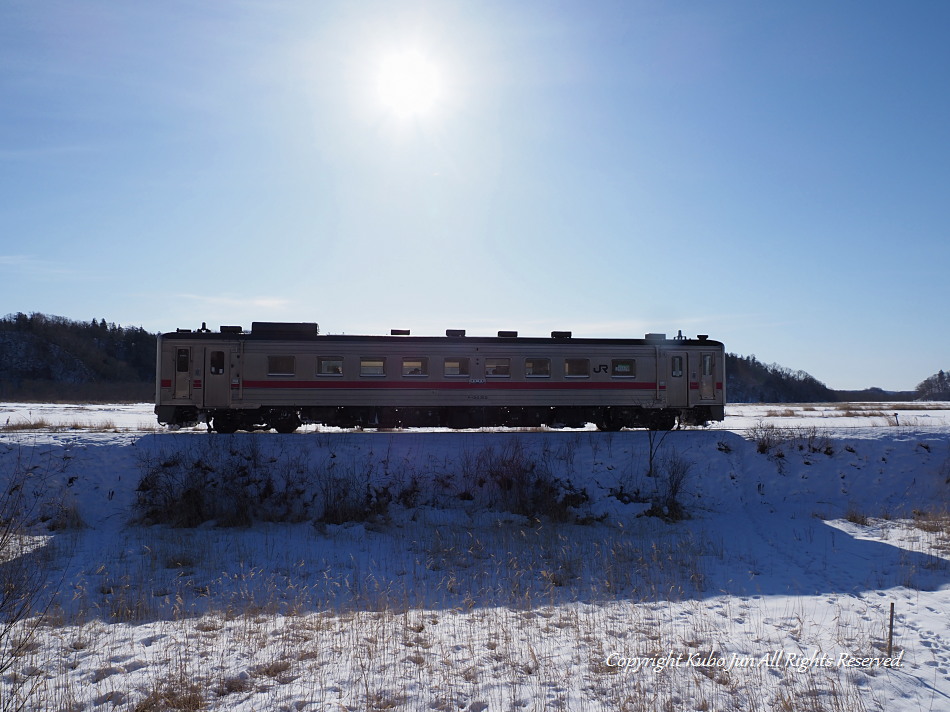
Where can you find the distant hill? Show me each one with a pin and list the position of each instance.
(877, 395)
(748, 380)
(52, 358)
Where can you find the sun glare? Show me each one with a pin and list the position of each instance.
(409, 84)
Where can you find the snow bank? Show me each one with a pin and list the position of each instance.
(455, 590)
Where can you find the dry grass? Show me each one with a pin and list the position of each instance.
(937, 525)
(507, 612)
(44, 425)
(856, 517)
(12, 426)
(854, 411)
(175, 694)
(481, 659)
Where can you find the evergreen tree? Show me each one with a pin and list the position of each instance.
(935, 387)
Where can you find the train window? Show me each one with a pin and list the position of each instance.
(497, 366)
(329, 365)
(623, 367)
(707, 364)
(676, 366)
(372, 366)
(537, 367)
(577, 367)
(216, 363)
(415, 366)
(456, 366)
(181, 361)
(283, 365)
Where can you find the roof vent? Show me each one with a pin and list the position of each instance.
(655, 337)
(455, 332)
(231, 329)
(702, 337)
(560, 334)
(507, 334)
(399, 332)
(282, 327)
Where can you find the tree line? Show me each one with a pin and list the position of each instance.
(45, 357)
(49, 358)
(936, 387)
(748, 380)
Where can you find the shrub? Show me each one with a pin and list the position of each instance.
(767, 436)
(672, 475)
(230, 487)
(343, 502)
(856, 517)
(525, 486)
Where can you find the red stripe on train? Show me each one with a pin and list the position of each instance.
(451, 385)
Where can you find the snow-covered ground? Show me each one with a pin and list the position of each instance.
(406, 570)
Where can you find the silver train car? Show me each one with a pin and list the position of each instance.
(282, 375)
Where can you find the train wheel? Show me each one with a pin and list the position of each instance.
(610, 421)
(283, 420)
(663, 421)
(224, 425)
(286, 424)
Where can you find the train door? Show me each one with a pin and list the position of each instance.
(707, 378)
(182, 372)
(217, 383)
(677, 385)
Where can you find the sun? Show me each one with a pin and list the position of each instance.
(409, 84)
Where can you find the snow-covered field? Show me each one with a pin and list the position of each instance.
(520, 570)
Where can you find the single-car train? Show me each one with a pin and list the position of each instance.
(282, 375)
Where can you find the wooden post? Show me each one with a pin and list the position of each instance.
(890, 632)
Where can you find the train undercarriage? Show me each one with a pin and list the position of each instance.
(287, 419)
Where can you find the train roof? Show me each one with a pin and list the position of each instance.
(309, 331)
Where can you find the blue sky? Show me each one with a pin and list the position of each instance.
(773, 174)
